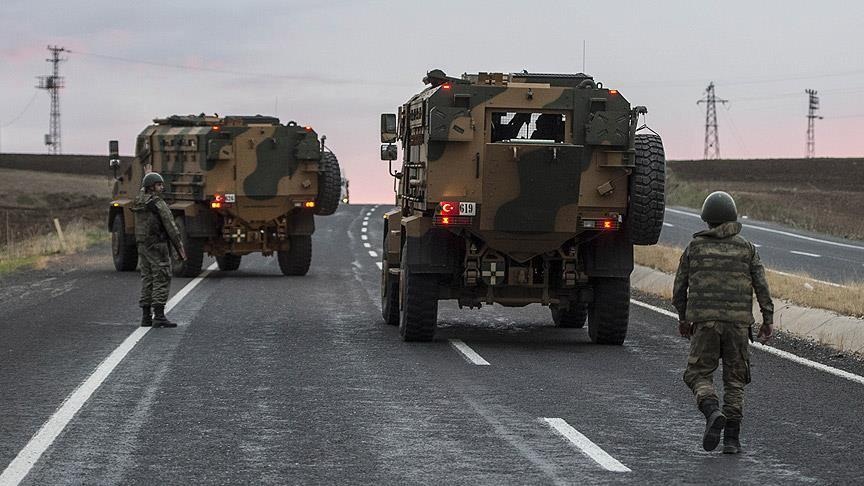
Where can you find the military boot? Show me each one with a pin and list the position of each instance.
(159, 319)
(731, 444)
(714, 423)
(146, 316)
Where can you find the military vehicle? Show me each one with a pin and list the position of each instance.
(236, 185)
(517, 189)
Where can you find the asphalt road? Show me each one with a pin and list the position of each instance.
(282, 380)
(822, 257)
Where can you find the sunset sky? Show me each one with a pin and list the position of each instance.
(338, 65)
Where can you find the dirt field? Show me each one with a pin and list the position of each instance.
(823, 195)
(29, 201)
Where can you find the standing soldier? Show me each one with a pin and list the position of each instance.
(154, 228)
(713, 293)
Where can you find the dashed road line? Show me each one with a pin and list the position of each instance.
(668, 225)
(364, 229)
(771, 350)
(367, 245)
(373, 254)
(364, 237)
(468, 353)
(590, 449)
(18, 469)
(804, 253)
(380, 265)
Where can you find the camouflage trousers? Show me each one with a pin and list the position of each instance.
(155, 265)
(712, 341)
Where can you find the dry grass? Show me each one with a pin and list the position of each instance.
(799, 289)
(36, 249)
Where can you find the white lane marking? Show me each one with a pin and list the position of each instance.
(823, 282)
(364, 229)
(804, 253)
(373, 254)
(380, 265)
(668, 225)
(364, 237)
(366, 223)
(18, 469)
(585, 445)
(366, 218)
(768, 349)
(468, 353)
(784, 233)
(367, 245)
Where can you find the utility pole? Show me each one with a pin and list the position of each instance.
(712, 139)
(53, 83)
(811, 122)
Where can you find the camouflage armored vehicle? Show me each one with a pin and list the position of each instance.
(236, 185)
(517, 189)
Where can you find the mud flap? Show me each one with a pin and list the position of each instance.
(437, 251)
(608, 255)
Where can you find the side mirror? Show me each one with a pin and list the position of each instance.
(113, 154)
(389, 152)
(388, 128)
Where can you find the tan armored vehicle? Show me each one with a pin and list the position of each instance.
(236, 185)
(518, 189)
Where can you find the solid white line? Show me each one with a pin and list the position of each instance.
(18, 469)
(367, 245)
(585, 445)
(468, 353)
(823, 282)
(373, 254)
(804, 253)
(364, 237)
(668, 225)
(768, 349)
(380, 265)
(784, 233)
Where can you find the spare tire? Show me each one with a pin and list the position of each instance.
(647, 191)
(329, 185)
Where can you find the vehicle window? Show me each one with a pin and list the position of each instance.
(521, 127)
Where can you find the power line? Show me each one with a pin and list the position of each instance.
(19, 115)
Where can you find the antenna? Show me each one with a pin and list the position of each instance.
(53, 83)
(712, 137)
(811, 122)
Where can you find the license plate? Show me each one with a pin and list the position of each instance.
(467, 209)
(230, 198)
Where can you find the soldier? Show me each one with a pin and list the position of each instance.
(154, 228)
(713, 293)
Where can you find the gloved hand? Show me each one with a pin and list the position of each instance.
(182, 254)
(685, 329)
(765, 333)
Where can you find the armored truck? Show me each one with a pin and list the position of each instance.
(518, 189)
(236, 185)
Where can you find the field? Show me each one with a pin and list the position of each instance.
(821, 195)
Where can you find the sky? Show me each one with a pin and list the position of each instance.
(338, 65)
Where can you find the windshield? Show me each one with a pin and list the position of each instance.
(526, 127)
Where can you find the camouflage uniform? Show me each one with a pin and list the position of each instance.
(713, 289)
(154, 226)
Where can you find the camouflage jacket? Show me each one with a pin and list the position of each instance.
(717, 275)
(153, 220)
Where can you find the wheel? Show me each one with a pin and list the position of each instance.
(228, 262)
(647, 191)
(573, 317)
(418, 302)
(194, 247)
(329, 185)
(295, 261)
(389, 289)
(610, 311)
(123, 252)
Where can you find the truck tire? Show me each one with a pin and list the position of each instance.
(123, 252)
(573, 317)
(329, 185)
(418, 303)
(389, 289)
(194, 247)
(647, 191)
(228, 262)
(295, 261)
(609, 313)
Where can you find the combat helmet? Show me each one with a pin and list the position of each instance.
(719, 208)
(151, 179)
